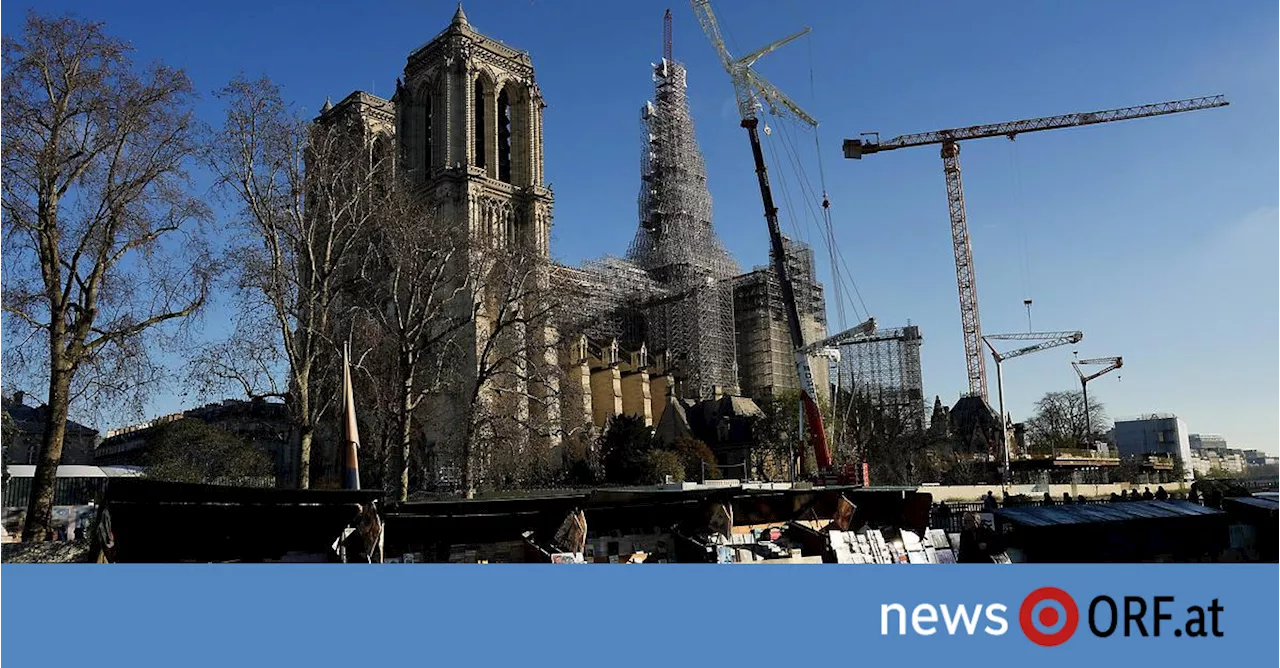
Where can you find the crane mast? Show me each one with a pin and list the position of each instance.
(950, 139)
(1112, 363)
(753, 92)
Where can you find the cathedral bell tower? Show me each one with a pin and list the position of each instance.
(469, 127)
(469, 122)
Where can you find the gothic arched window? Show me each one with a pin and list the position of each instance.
(477, 130)
(504, 137)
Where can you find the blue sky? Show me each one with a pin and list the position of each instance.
(1156, 237)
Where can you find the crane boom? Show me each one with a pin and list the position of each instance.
(748, 87)
(966, 281)
(1031, 336)
(1052, 340)
(856, 148)
(860, 331)
(1112, 363)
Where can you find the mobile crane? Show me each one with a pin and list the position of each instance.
(752, 92)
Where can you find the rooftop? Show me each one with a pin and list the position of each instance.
(1147, 416)
(1128, 511)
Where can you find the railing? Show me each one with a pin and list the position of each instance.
(950, 520)
(1261, 484)
(66, 491)
(1081, 453)
(726, 471)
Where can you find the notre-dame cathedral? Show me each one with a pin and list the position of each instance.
(467, 117)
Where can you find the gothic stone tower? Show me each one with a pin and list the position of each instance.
(469, 118)
(469, 126)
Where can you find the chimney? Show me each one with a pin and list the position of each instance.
(18, 396)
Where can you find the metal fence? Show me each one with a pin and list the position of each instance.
(66, 491)
(1261, 485)
(948, 516)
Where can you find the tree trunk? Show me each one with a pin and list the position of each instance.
(304, 457)
(468, 474)
(306, 430)
(40, 505)
(406, 426)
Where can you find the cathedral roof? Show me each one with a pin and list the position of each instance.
(460, 27)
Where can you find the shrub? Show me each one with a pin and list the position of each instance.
(660, 464)
(624, 447)
(694, 454)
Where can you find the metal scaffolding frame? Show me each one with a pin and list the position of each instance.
(678, 247)
(605, 299)
(766, 358)
(884, 366)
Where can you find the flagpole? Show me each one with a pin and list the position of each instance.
(350, 432)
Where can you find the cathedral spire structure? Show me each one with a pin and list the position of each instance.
(676, 242)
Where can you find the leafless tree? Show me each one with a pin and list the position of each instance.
(512, 398)
(417, 286)
(103, 239)
(308, 193)
(1059, 422)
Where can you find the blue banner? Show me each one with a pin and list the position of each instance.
(232, 615)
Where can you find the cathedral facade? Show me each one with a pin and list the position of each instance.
(466, 122)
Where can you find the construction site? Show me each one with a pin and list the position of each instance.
(794, 427)
(715, 331)
(671, 328)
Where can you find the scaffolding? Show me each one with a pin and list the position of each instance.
(604, 299)
(766, 357)
(884, 367)
(677, 246)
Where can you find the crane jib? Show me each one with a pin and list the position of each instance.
(1014, 128)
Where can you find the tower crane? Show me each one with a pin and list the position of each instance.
(1046, 340)
(753, 93)
(950, 140)
(1112, 363)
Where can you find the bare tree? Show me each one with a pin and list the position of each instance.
(417, 285)
(894, 448)
(102, 237)
(308, 194)
(512, 398)
(1059, 421)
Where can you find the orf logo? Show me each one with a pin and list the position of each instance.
(1048, 616)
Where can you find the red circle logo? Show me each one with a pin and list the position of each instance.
(1048, 616)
